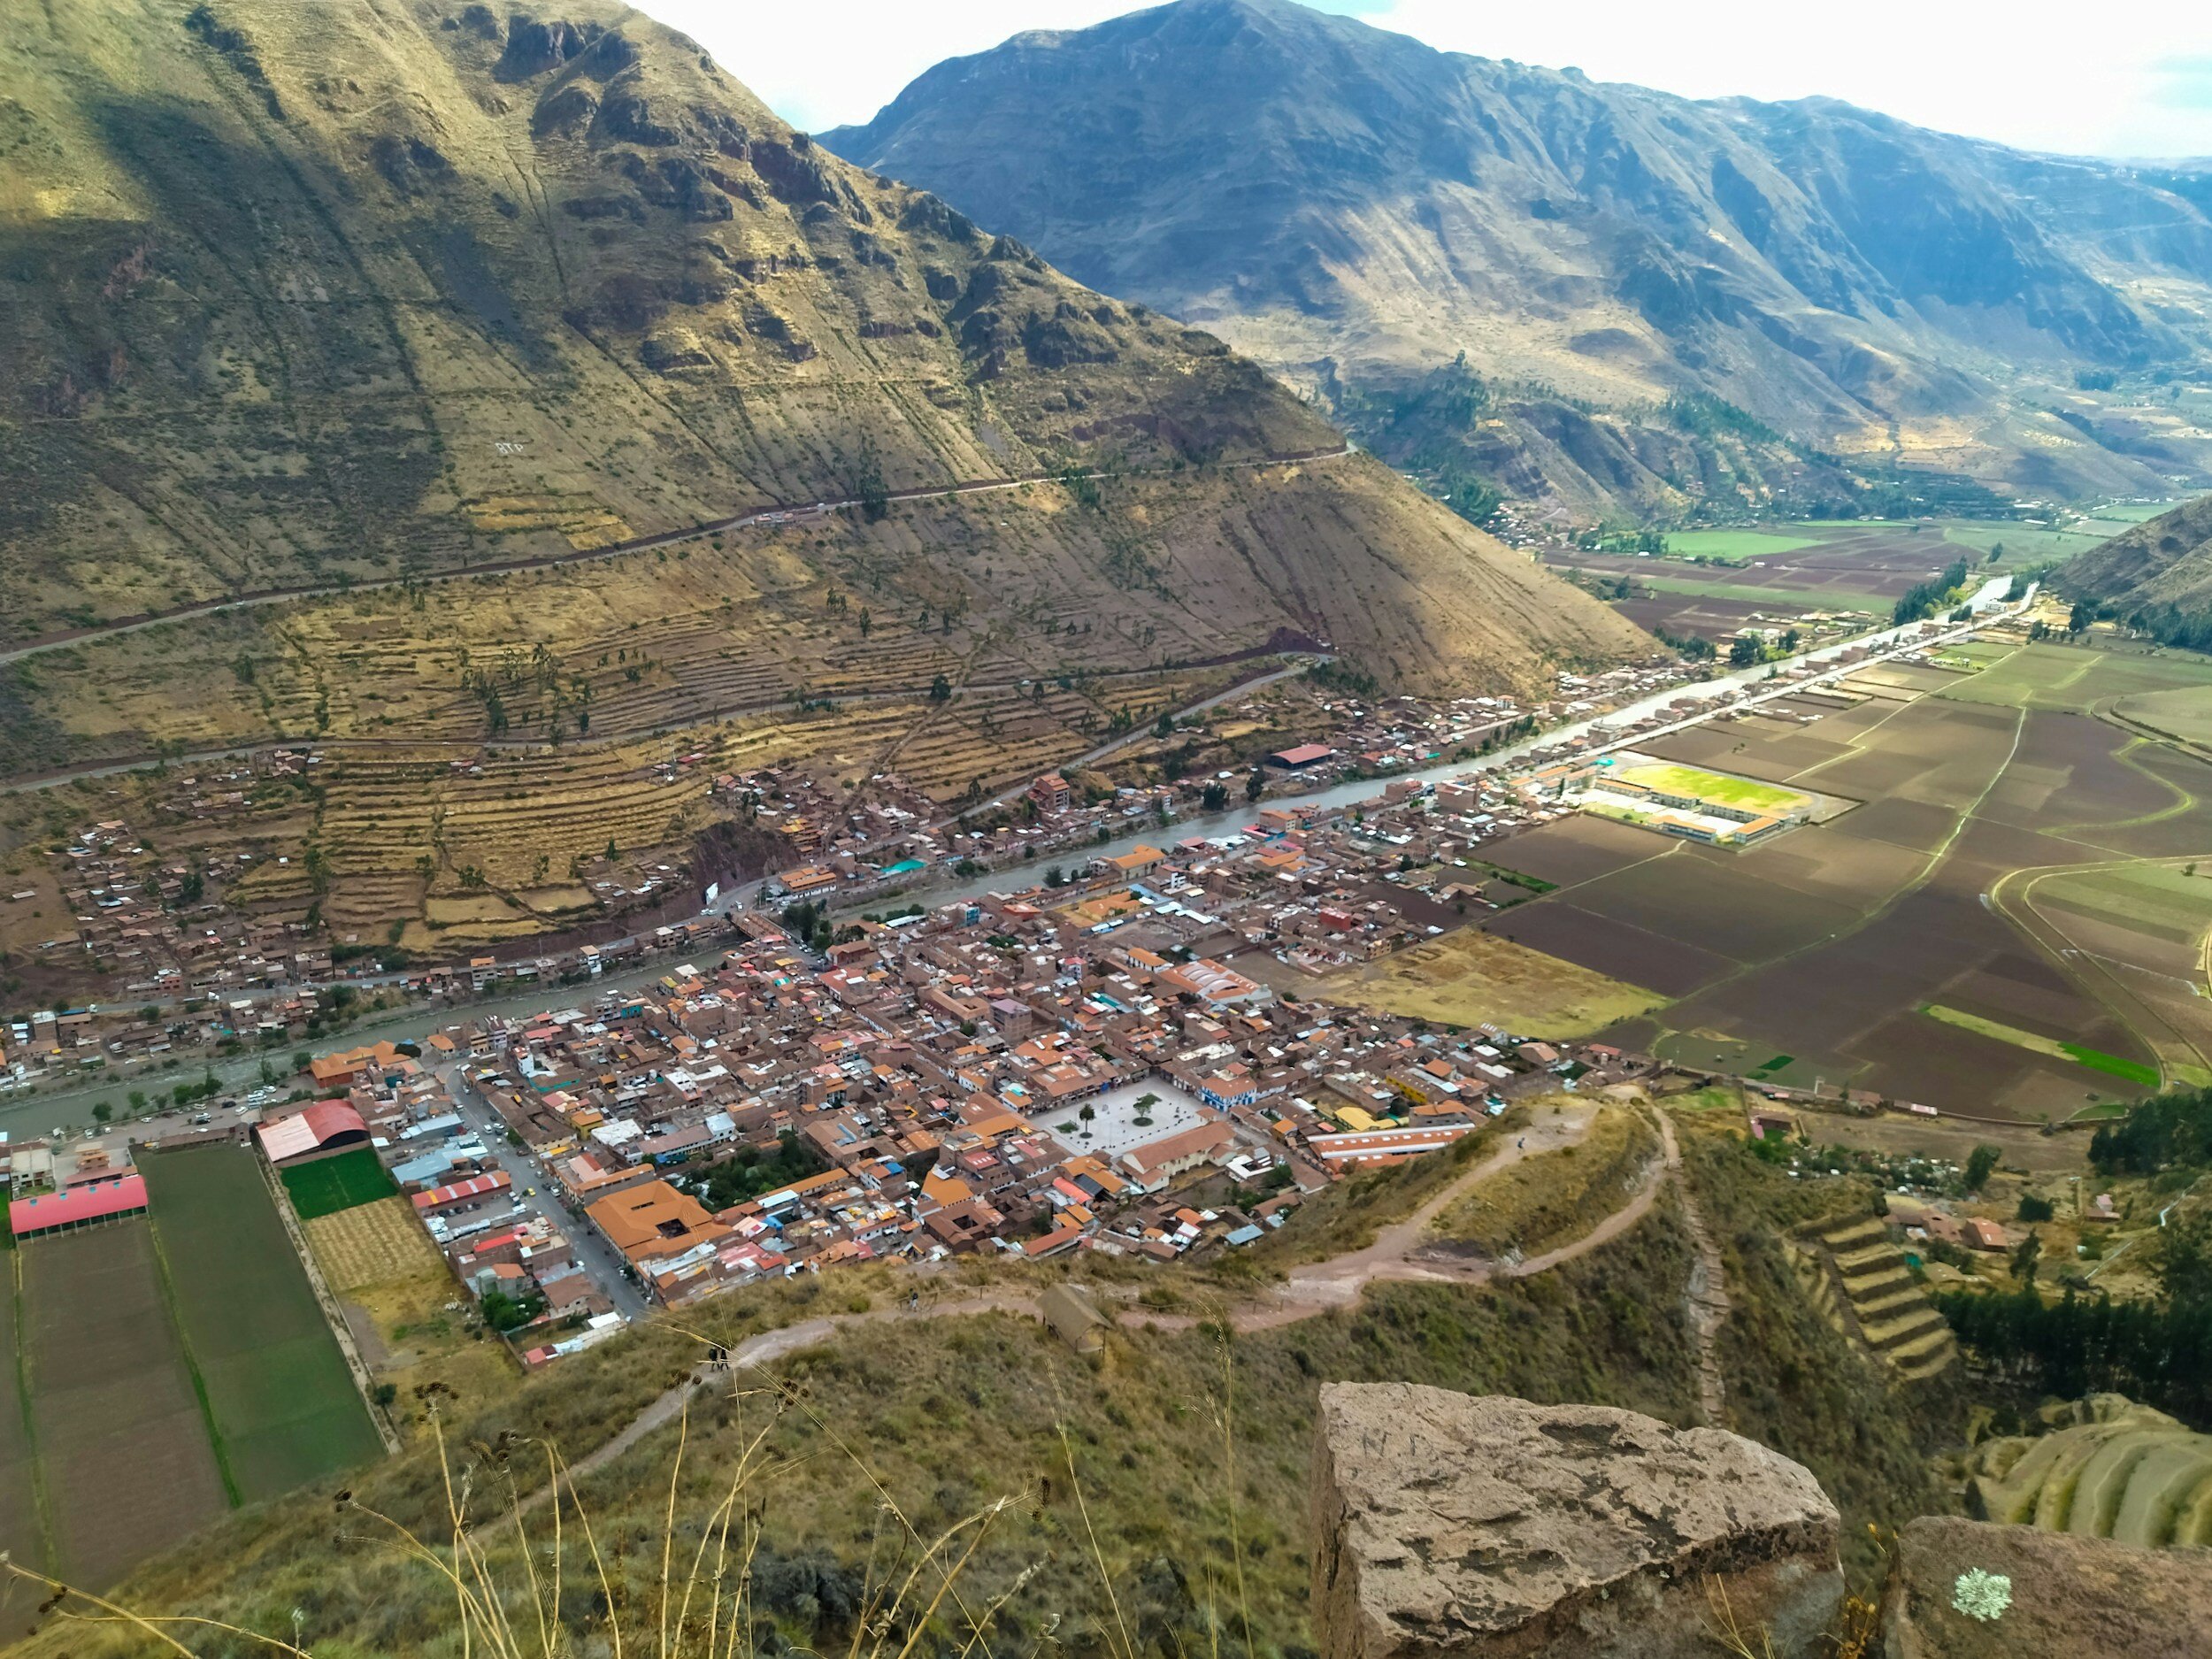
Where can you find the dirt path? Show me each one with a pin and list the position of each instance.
(768, 1346)
(1707, 1295)
(774, 514)
(1402, 1251)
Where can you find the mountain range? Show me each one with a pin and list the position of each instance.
(1663, 303)
(306, 298)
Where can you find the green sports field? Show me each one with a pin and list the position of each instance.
(283, 1402)
(330, 1184)
(1741, 792)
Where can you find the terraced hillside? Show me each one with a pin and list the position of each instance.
(1860, 1281)
(303, 297)
(2124, 1471)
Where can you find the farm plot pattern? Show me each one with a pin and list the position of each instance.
(122, 1441)
(283, 1402)
(379, 1243)
(2012, 922)
(1794, 569)
(20, 1534)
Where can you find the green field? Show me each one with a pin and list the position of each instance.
(285, 1407)
(2130, 513)
(2023, 542)
(2159, 900)
(1796, 599)
(1741, 792)
(2096, 1060)
(2185, 712)
(330, 1184)
(1734, 544)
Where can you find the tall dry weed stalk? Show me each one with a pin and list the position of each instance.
(506, 1566)
(507, 1579)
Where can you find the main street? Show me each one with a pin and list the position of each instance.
(609, 1271)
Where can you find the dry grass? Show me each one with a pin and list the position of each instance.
(1553, 1198)
(400, 1300)
(511, 1568)
(1468, 976)
(373, 1244)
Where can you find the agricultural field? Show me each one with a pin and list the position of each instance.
(395, 1290)
(2012, 921)
(281, 1399)
(19, 1531)
(372, 1244)
(1468, 976)
(126, 1465)
(1776, 572)
(2183, 713)
(327, 1185)
(1733, 546)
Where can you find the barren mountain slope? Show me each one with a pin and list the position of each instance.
(1355, 208)
(302, 294)
(2160, 570)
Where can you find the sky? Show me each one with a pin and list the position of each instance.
(2129, 78)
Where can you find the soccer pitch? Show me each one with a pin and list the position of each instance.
(1721, 790)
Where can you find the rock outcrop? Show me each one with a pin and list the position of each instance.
(1449, 1527)
(2032, 1595)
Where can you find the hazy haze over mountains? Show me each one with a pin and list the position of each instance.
(1355, 208)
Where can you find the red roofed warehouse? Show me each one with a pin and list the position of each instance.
(1300, 757)
(80, 1206)
(313, 1132)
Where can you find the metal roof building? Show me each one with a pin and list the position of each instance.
(326, 1126)
(80, 1206)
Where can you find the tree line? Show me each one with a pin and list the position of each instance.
(2156, 1349)
(1924, 599)
(2173, 1130)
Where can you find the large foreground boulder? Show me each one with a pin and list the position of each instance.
(1972, 1590)
(1453, 1527)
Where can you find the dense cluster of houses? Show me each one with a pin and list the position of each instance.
(1123, 1062)
(393, 1098)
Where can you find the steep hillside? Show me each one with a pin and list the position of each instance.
(1354, 208)
(326, 306)
(2159, 572)
(1159, 1500)
(304, 296)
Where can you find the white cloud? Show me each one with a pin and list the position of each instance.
(2127, 77)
